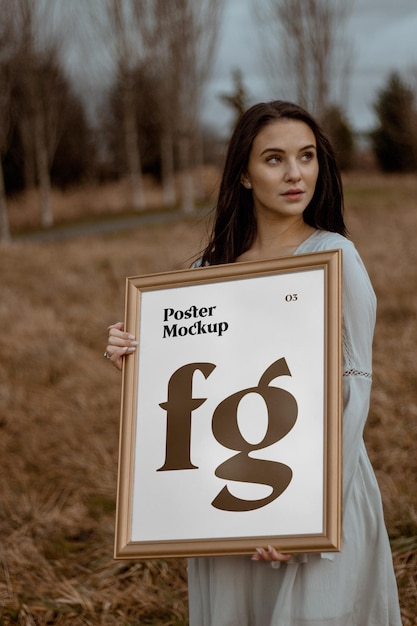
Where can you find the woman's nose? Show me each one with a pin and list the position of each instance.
(293, 171)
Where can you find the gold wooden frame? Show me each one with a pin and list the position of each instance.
(329, 538)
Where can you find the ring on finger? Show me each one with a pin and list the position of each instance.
(106, 355)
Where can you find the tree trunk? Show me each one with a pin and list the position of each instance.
(47, 218)
(37, 126)
(26, 138)
(4, 218)
(167, 167)
(187, 185)
(123, 16)
(132, 150)
(199, 166)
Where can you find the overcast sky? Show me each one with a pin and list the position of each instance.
(383, 34)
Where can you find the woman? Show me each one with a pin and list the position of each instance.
(281, 194)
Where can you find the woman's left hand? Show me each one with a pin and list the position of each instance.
(119, 344)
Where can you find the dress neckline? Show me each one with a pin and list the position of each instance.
(298, 250)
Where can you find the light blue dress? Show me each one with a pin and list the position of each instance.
(355, 587)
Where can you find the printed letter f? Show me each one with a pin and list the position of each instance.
(179, 408)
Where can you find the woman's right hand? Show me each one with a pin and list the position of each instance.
(119, 344)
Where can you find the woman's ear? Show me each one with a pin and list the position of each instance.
(245, 181)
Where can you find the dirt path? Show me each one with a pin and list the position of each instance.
(116, 224)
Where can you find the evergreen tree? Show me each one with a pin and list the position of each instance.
(237, 100)
(341, 134)
(394, 140)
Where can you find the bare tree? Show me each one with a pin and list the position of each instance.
(128, 47)
(305, 44)
(34, 119)
(237, 100)
(170, 43)
(413, 74)
(4, 106)
(6, 43)
(181, 43)
(4, 126)
(162, 43)
(41, 116)
(195, 27)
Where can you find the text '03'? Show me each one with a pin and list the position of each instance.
(282, 411)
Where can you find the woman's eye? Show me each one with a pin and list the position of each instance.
(308, 156)
(273, 159)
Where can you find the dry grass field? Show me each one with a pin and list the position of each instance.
(59, 413)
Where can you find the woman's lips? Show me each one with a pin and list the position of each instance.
(293, 194)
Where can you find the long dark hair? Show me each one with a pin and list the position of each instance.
(234, 228)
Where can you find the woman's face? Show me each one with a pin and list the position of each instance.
(282, 170)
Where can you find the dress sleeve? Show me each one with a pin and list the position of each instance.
(359, 309)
